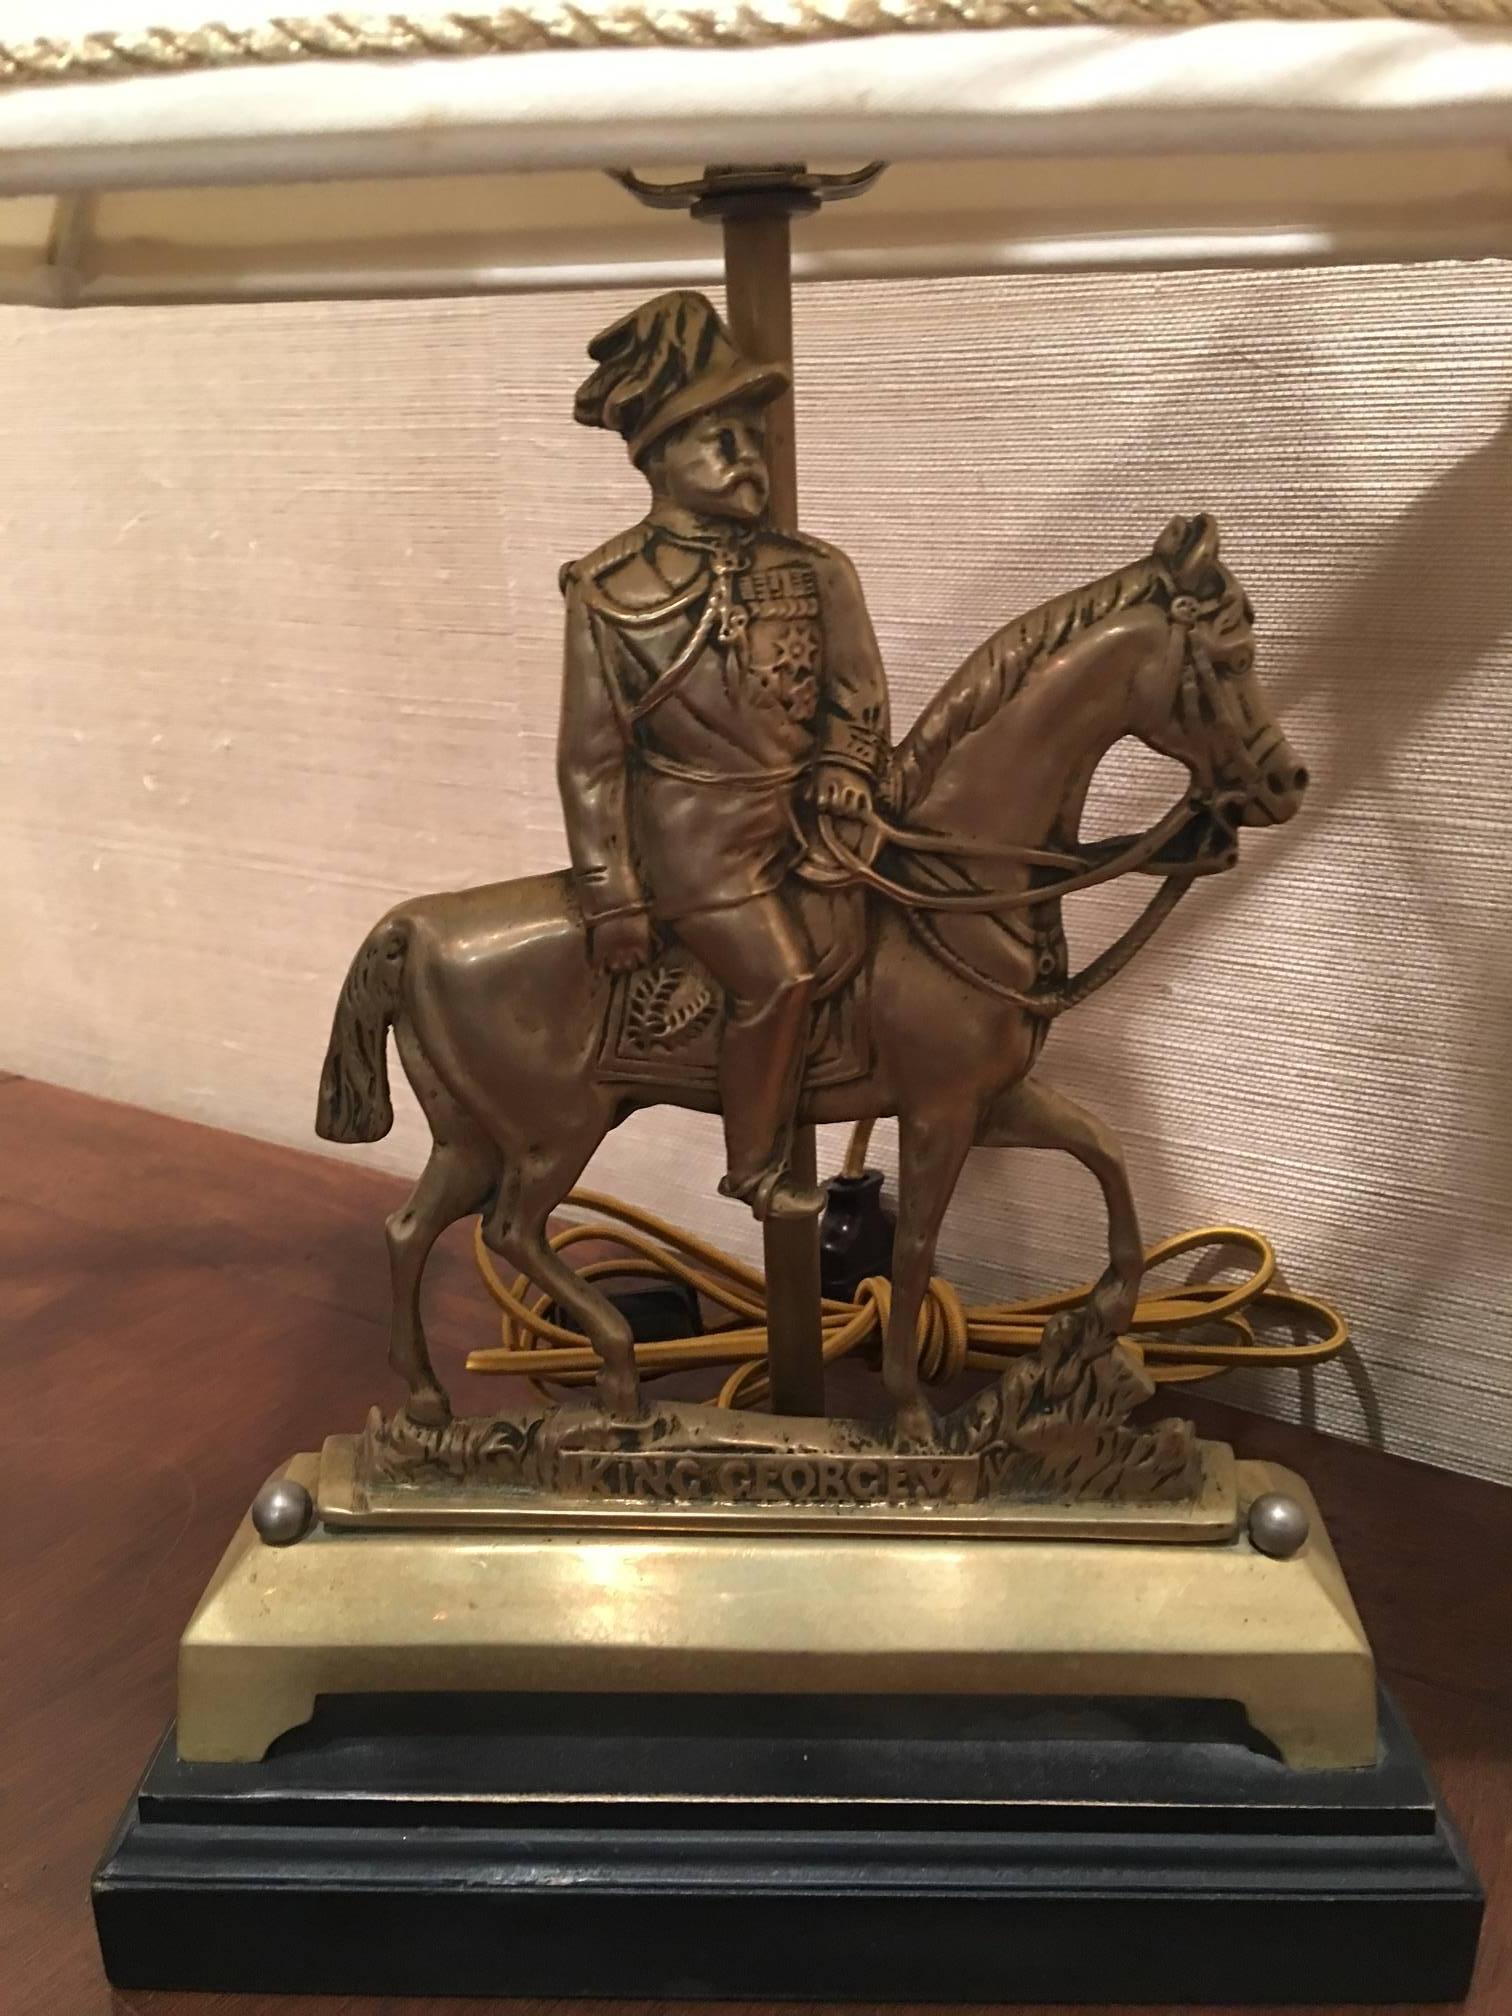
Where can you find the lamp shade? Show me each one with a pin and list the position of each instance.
(264, 157)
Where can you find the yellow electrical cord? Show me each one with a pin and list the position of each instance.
(952, 1335)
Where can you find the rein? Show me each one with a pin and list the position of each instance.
(1053, 1001)
(979, 902)
(1196, 678)
(918, 904)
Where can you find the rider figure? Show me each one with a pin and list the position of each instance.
(722, 681)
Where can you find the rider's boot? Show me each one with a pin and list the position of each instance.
(760, 1066)
(775, 1193)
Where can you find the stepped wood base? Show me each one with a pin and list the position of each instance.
(870, 1849)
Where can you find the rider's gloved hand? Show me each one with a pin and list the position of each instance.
(620, 944)
(843, 791)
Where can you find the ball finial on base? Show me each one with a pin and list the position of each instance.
(282, 1511)
(1278, 1525)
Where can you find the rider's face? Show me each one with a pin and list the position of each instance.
(716, 465)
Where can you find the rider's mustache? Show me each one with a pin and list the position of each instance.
(744, 472)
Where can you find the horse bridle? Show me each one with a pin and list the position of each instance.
(1202, 698)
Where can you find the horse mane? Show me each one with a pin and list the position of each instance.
(996, 670)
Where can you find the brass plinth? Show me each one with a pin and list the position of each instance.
(632, 1612)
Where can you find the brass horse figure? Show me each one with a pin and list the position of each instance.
(497, 1012)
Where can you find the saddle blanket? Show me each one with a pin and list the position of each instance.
(663, 1026)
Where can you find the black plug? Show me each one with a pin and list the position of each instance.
(855, 1234)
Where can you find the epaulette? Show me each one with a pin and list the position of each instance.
(604, 559)
(822, 547)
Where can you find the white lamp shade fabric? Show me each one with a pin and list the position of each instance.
(142, 168)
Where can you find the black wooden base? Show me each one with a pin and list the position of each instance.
(867, 1850)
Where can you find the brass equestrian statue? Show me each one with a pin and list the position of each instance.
(498, 1010)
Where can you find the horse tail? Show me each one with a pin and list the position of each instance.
(354, 1102)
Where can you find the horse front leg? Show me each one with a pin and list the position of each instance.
(1035, 1116)
(932, 1147)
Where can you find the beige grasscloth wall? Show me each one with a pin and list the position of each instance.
(281, 641)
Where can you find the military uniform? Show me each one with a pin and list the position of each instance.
(711, 664)
(706, 673)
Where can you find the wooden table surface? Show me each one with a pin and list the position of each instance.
(184, 1308)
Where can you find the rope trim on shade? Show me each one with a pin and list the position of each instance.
(725, 24)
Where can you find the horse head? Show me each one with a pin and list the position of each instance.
(1204, 705)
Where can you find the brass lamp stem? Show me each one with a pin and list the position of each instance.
(759, 305)
(759, 309)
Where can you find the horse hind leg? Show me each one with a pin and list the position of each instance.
(535, 1185)
(460, 1177)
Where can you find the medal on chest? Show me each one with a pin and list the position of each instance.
(769, 625)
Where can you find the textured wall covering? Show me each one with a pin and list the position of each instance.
(281, 643)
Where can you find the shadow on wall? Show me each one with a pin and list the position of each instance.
(1403, 640)
(1401, 645)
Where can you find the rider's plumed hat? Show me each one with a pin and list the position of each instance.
(669, 361)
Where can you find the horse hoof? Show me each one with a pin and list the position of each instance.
(1111, 1310)
(621, 1399)
(915, 1428)
(428, 1409)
